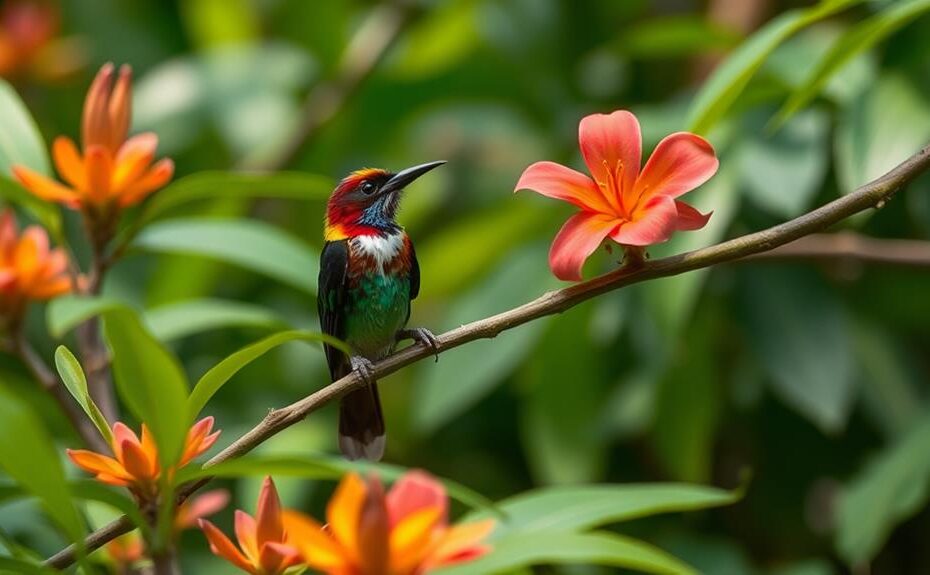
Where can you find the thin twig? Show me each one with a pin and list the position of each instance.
(873, 194)
(367, 48)
(50, 383)
(851, 247)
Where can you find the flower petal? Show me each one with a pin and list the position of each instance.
(95, 122)
(415, 491)
(277, 557)
(96, 463)
(99, 164)
(319, 549)
(137, 462)
(411, 539)
(120, 107)
(68, 161)
(680, 163)
(344, 512)
(689, 218)
(201, 506)
(268, 514)
(612, 146)
(221, 545)
(577, 240)
(654, 223)
(133, 160)
(561, 183)
(45, 188)
(461, 543)
(121, 433)
(159, 175)
(246, 534)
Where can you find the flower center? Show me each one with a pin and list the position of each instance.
(613, 188)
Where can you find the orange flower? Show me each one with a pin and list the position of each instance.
(406, 532)
(193, 510)
(29, 269)
(264, 545)
(26, 27)
(632, 207)
(136, 464)
(126, 549)
(113, 172)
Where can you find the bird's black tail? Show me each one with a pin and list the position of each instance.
(361, 424)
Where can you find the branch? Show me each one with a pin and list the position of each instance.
(873, 194)
(365, 51)
(852, 247)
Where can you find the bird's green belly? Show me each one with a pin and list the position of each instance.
(377, 307)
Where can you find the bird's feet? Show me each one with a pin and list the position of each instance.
(364, 367)
(422, 336)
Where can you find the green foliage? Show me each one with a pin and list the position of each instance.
(801, 336)
(250, 244)
(30, 457)
(182, 319)
(858, 39)
(150, 380)
(213, 380)
(889, 490)
(723, 88)
(72, 376)
(20, 140)
(595, 548)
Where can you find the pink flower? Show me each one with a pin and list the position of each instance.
(631, 207)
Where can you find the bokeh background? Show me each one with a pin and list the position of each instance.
(811, 376)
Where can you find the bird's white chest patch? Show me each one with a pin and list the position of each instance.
(381, 250)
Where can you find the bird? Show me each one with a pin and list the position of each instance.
(369, 275)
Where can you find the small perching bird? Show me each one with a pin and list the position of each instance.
(368, 276)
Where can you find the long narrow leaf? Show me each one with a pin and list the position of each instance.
(216, 378)
(722, 89)
(76, 382)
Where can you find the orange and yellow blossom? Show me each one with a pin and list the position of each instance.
(29, 268)
(265, 547)
(633, 207)
(136, 464)
(403, 532)
(113, 172)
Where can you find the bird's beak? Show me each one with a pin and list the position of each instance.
(401, 179)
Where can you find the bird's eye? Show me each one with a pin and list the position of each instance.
(367, 188)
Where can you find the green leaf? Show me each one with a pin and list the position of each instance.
(561, 435)
(546, 548)
(72, 375)
(326, 467)
(468, 248)
(90, 490)
(479, 366)
(889, 490)
(800, 334)
(441, 39)
(728, 81)
(47, 214)
(21, 567)
(29, 456)
(227, 185)
(20, 140)
(783, 172)
(879, 130)
(66, 313)
(250, 244)
(213, 380)
(150, 380)
(857, 40)
(578, 508)
(178, 320)
(672, 36)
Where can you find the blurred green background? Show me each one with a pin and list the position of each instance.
(813, 375)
